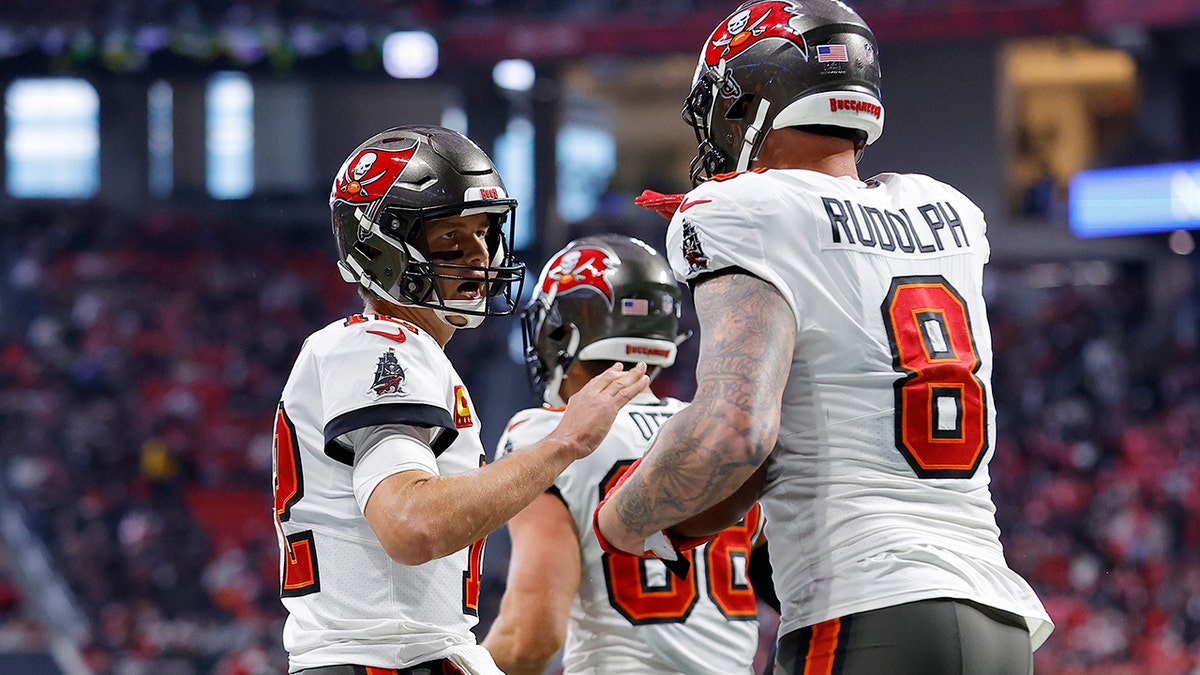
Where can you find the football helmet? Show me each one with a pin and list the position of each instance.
(605, 297)
(389, 188)
(782, 63)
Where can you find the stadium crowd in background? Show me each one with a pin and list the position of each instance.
(141, 361)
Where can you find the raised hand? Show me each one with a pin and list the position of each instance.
(593, 408)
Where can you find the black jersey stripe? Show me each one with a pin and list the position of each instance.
(414, 414)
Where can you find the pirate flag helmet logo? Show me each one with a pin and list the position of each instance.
(580, 268)
(369, 174)
(748, 26)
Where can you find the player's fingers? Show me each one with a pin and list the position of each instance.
(636, 382)
(624, 379)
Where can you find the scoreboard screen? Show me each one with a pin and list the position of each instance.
(1135, 200)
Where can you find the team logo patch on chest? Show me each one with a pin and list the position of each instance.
(389, 376)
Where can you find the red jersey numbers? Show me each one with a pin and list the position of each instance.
(941, 405)
(471, 578)
(727, 559)
(474, 571)
(645, 592)
(300, 574)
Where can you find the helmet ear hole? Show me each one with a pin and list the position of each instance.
(415, 288)
(739, 107)
(369, 252)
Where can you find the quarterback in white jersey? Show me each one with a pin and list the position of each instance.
(846, 345)
(382, 500)
(357, 380)
(602, 298)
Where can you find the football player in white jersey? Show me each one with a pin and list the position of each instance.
(382, 501)
(602, 299)
(845, 344)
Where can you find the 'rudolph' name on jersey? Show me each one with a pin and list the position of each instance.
(937, 229)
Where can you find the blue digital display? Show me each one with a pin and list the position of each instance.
(1135, 200)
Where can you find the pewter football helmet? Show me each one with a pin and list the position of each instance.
(389, 188)
(601, 298)
(782, 63)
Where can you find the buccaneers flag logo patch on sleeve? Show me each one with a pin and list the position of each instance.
(693, 252)
(388, 375)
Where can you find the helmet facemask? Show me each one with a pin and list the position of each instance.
(697, 113)
(550, 347)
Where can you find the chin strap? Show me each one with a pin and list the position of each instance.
(461, 321)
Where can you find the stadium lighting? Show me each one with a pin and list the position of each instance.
(514, 75)
(410, 55)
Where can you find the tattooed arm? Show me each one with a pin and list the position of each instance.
(706, 451)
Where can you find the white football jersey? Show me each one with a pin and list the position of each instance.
(877, 490)
(348, 602)
(632, 616)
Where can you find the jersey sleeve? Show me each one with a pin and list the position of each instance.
(387, 450)
(719, 227)
(371, 380)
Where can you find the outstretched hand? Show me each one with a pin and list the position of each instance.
(592, 409)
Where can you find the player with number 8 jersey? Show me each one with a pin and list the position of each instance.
(846, 348)
(891, 396)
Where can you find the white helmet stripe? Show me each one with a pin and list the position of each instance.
(630, 350)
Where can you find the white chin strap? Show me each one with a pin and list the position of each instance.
(461, 321)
